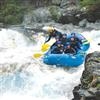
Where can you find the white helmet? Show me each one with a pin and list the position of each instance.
(48, 28)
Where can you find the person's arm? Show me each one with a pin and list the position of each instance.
(74, 51)
(48, 39)
(78, 40)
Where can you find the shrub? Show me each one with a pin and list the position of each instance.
(11, 12)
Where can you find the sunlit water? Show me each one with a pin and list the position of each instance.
(23, 77)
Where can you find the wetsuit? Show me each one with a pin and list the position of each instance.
(55, 34)
(64, 39)
(57, 48)
(75, 42)
(70, 50)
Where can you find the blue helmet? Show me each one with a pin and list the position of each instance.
(64, 35)
(57, 37)
(58, 42)
(73, 33)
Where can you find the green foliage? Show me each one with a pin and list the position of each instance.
(89, 3)
(55, 13)
(98, 86)
(11, 12)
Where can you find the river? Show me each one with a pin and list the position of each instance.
(23, 77)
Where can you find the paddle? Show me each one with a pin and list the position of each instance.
(87, 41)
(44, 48)
(37, 55)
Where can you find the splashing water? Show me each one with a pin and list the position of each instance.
(22, 77)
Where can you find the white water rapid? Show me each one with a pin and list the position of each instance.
(25, 78)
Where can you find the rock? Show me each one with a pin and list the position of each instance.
(39, 15)
(98, 43)
(83, 23)
(56, 2)
(89, 89)
(1, 25)
(64, 3)
(70, 16)
(74, 15)
(62, 11)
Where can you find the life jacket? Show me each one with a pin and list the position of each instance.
(69, 50)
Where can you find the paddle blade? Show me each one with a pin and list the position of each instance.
(45, 47)
(37, 55)
(85, 42)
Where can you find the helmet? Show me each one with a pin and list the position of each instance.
(57, 37)
(72, 38)
(48, 28)
(73, 34)
(64, 35)
(58, 42)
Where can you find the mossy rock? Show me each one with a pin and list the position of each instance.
(90, 5)
(55, 12)
(98, 86)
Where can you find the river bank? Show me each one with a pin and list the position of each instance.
(42, 11)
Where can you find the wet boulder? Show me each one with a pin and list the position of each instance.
(89, 89)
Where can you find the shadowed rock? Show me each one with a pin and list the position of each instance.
(89, 89)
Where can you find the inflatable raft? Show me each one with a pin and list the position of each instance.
(68, 60)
